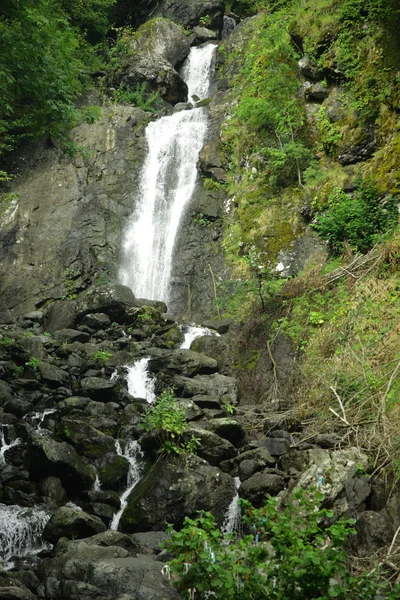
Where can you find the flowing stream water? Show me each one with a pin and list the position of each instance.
(167, 183)
(133, 453)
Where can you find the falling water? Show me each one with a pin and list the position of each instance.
(36, 419)
(233, 520)
(133, 454)
(192, 332)
(140, 383)
(21, 532)
(167, 184)
(4, 445)
(96, 487)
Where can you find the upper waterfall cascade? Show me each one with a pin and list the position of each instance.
(167, 183)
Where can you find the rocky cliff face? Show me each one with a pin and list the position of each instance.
(62, 230)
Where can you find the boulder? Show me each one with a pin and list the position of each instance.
(276, 446)
(60, 315)
(71, 523)
(191, 410)
(184, 362)
(221, 326)
(96, 574)
(111, 299)
(335, 474)
(259, 486)
(189, 12)
(156, 72)
(360, 151)
(52, 489)
(309, 69)
(207, 385)
(76, 431)
(204, 35)
(213, 448)
(113, 470)
(171, 491)
(100, 389)
(260, 456)
(5, 392)
(71, 336)
(48, 457)
(53, 376)
(374, 530)
(229, 429)
(17, 407)
(212, 402)
(96, 321)
(316, 91)
(163, 37)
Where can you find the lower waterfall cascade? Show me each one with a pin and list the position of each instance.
(167, 184)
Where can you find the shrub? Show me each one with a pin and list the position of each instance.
(167, 422)
(358, 220)
(140, 97)
(287, 554)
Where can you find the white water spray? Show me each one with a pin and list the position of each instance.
(96, 487)
(167, 184)
(192, 332)
(233, 518)
(141, 384)
(37, 418)
(4, 445)
(21, 532)
(133, 454)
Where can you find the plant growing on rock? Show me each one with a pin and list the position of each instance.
(101, 356)
(284, 555)
(167, 422)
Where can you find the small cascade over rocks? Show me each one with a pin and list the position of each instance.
(133, 454)
(4, 445)
(167, 184)
(36, 419)
(21, 533)
(192, 332)
(141, 384)
(233, 519)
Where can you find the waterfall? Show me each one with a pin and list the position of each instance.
(4, 445)
(191, 333)
(233, 518)
(167, 183)
(21, 532)
(36, 419)
(96, 487)
(133, 454)
(140, 383)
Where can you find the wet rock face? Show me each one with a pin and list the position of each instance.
(68, 214)
(177, 490)
(189, 12)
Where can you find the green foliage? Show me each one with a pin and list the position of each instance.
(203, 220)
(358, 220)
(287, 554)
(18, 371)
(140, 97)
(6, 341)
(167, 422)
(33, 363)
(329, 133)
(101, 356)
(92, 17)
